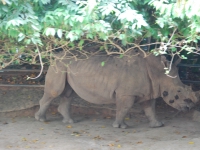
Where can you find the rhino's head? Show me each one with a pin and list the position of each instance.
(175, 93)
(170, 87)
(180, 97)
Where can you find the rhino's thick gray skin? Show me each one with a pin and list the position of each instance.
(123, 81)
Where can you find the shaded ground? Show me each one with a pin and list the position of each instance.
(94, 132)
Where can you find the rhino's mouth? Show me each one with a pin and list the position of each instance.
(184, 109)
(189, 104)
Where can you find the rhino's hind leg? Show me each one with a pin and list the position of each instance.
(149, 109)
(123, 106)
(65, 104)
(54, 86)
(44, 104)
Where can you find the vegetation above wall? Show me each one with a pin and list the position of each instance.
(33, 28)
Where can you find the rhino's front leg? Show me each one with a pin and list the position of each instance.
(149, 109)
(123, 105)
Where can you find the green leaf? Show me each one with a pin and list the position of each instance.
(160, 22)
(21, 37)
(102, 63)
(35, 28)
(59, 33)
(167, 72)
(45, 1)
(101, 48)
(78, 31)
(71, 36)
(81, 43)
(122, 36)
(89, 36)
(183, 57)
(50, 31)
(174, 49)
(5, 9)
(28, 41)
(80, 18)
(34, 40)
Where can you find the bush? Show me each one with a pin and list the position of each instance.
(37, 27)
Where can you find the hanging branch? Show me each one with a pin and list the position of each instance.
(41, 64)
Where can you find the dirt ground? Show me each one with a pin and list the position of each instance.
(94, 132)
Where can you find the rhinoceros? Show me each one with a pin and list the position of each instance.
(123, 81)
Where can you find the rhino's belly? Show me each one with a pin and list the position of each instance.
(93, 94)
(93, 97)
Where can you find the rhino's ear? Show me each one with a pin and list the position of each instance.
(164, 61)
(163, 58)
(177, 61)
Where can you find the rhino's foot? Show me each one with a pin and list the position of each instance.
(119, 125)
(40, 117)
(68, 121)
(156, 124)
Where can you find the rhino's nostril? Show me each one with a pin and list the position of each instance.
(176, 97)
(171, 101)
(188, 100)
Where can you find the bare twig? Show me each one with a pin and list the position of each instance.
(41, 63)
(111, 42)
(171, 37)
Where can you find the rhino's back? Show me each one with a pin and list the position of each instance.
(101, 84)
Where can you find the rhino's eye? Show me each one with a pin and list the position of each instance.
(178, 91)
(165, 93)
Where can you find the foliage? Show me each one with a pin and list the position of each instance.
(31, 27)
